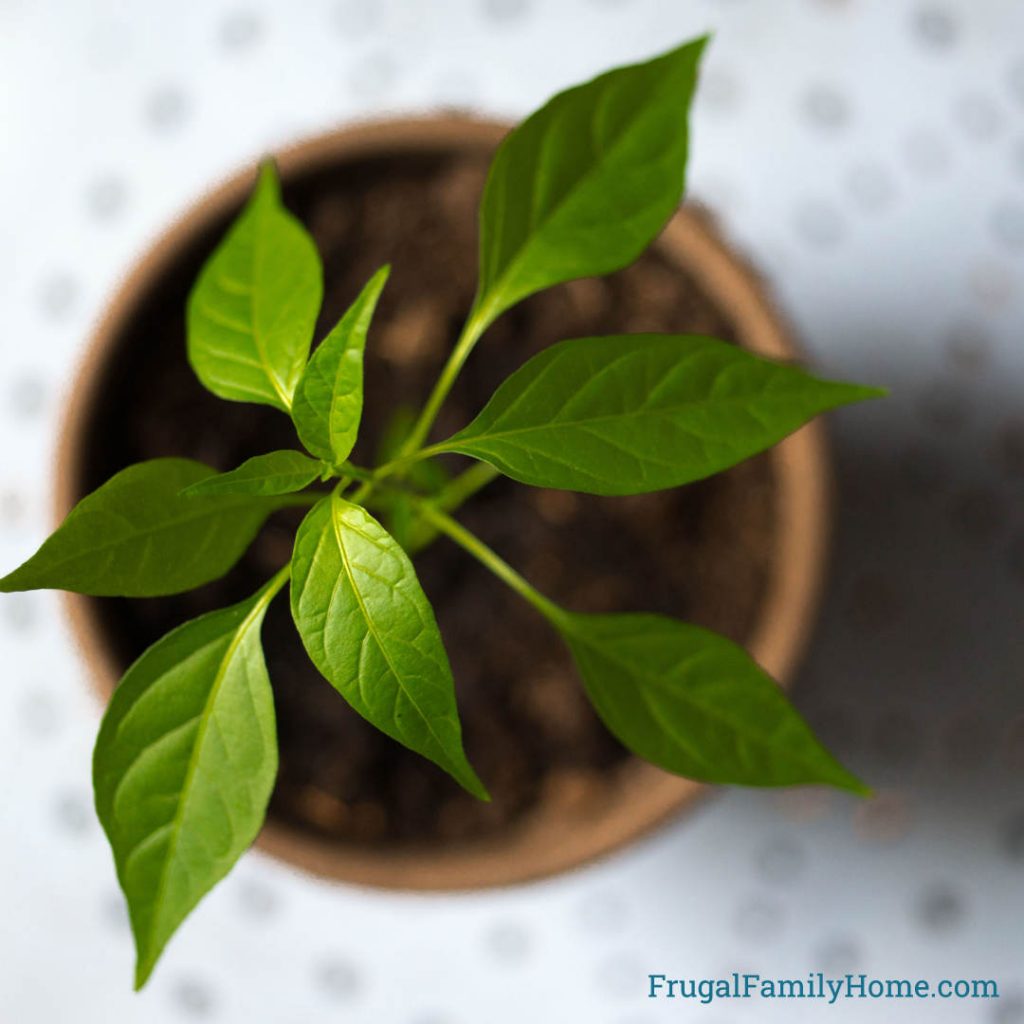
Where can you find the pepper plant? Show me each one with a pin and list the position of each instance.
(186, 755)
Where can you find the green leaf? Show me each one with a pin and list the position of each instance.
(329, 398)
(694, 703)
(136, 536)
(625, 414)
(583, 185)
(184, 765)
(252, 311)
(368, 627)
(281, 472)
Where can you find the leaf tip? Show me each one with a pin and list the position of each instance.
(470, 781)
(143, 969)
(842, 778)
(267, 181)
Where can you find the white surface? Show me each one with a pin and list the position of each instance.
(870, 155)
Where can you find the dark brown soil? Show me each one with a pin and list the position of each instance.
(701, 553)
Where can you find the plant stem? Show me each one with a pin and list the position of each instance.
(275, 583)
(478, 321)
(451, 497)
(354, 472)
(480, 551)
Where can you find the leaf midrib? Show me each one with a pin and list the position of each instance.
(259, 606)
(372, 629)
(656, 682)
(661, 412)
(134, 534)
(256, 265)
(499, 283)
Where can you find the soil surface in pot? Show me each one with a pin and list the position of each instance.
(701, 553)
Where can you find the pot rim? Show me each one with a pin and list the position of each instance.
(554, 838)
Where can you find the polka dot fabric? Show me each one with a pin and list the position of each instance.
(869, 156)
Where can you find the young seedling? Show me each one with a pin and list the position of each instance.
(186, 756)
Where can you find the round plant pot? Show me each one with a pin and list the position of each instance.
(568, 823)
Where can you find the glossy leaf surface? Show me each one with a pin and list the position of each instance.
(625, 414)
(137, 536)
(696, 704)
(184, 765)
(369, 629)
(329, 398)
(253, 308)
(583, 185)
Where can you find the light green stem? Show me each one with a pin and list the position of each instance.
(478, 321)
(451, 497)
(480, 551)
(275, 583)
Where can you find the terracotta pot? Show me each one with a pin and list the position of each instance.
(553, 838)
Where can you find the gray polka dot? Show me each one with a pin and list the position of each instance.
(838, 955)
(780, 861)
(193, 998)
(505, 10)
(934, 27)
(357, 17)
(114, 912)
(456, 89)
(825, 108)
(27, 396)
(240, 30)
(508, 942)
(978, 117)
(39, 714)
(1009, 1010)
(758, 919)
(871, 187)
(927, 155)
(939, 908)
(373, 76)
(721, 194)
(1008, 224)
(57, 295)
(339, 979)
(1017, 157)
(992, 283)
(19, 611)
(257, 901)
(819, 223)
(1015, 80)
(166, 108)
(12, 508)
(105, 197)
(73, 813)
(719, 91)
